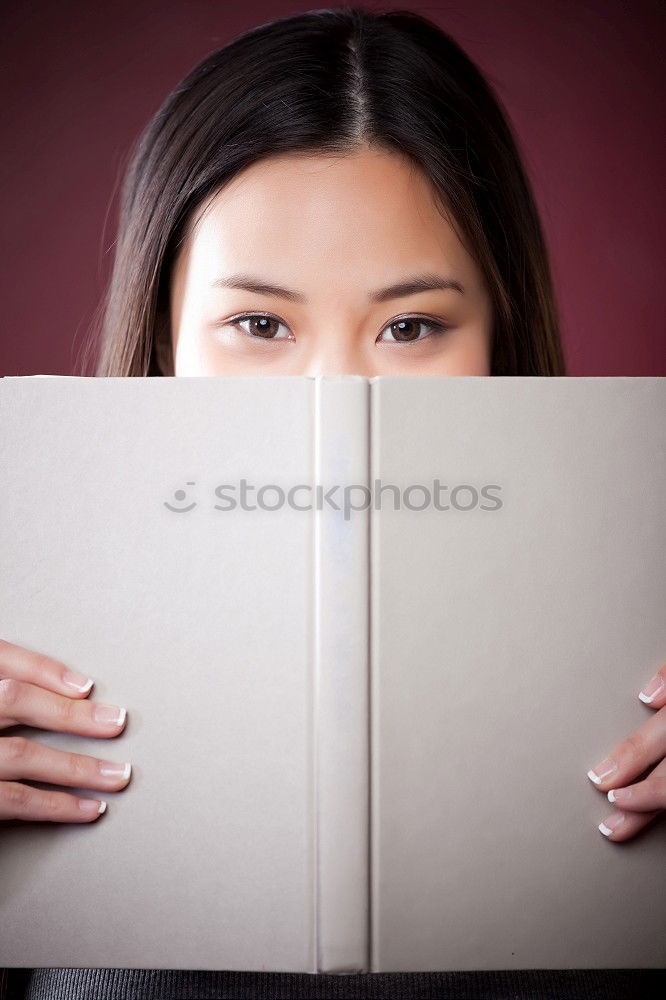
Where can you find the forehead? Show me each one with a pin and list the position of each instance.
(370, 209)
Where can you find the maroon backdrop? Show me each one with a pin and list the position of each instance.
(582, 82)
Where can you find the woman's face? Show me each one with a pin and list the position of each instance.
(315, 265)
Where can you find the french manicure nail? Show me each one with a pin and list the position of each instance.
(602, 770)
(112, 770)
(611, 823)
(619, 795)
(77, 681)
(92, 806)
(652, 689)
(109, 713)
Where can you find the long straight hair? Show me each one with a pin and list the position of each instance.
(329, 81)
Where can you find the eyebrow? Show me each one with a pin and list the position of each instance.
(410, 286)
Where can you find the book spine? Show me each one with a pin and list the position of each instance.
(341, 673)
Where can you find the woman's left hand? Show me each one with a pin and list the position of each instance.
(636, 804)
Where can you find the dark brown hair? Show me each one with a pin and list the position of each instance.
(327, 81)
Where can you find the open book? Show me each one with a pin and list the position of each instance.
(364, 688)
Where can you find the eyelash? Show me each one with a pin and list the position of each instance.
(435, 326)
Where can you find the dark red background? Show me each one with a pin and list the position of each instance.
(582, 83)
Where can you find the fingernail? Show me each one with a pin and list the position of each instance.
(619, 795)
(112, 770)
(77, 681)
(611, 823)
(109, 713)
(602, 770)
(651, 690)
(92, 806)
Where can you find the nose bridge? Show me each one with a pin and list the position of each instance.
(335, 352)
(322, 368)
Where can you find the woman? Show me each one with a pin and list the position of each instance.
(333, 192)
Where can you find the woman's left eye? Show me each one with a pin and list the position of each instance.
(264, 327)
(406, 331)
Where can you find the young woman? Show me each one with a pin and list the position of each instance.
(332, 192)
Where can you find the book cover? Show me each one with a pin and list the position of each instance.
(371, 633)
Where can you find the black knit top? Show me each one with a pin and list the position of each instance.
(178, 984)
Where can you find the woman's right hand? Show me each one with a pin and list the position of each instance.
(36, 690)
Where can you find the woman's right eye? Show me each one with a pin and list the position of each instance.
(262, 327)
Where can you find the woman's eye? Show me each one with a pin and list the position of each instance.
(406, 331)
(260, 326)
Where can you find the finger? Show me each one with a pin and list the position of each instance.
(37, 668)
(643, 795)
(24, 758)
(25, 802)
(633, 755)
(623, 825)
(654, 692)
(22, 703)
